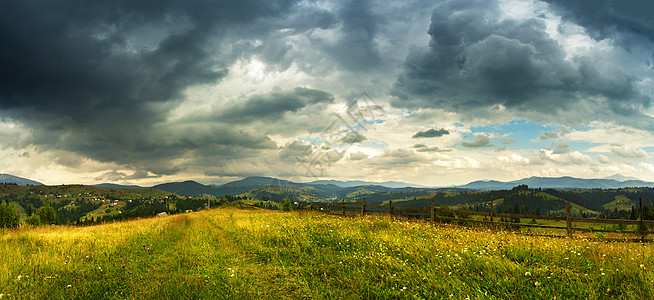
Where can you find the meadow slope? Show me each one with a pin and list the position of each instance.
(259, 254)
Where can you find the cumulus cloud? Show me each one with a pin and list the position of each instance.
(570, 158)
(479, 59)
(513, 158)
(358, 156)
(479, 141)
(603, 159)
(627, 152)
(561, 148)
(431, 133)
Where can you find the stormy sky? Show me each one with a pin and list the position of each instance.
(434, 93)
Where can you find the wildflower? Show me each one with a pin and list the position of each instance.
(69, 286)
(20, 276)
(527, 273)
(537, 283)
(122, 277)
(642, 266)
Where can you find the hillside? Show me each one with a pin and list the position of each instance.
(73, 203)
(6, 178)
(258, 254)
(559, 183)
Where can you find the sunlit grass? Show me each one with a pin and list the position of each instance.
(254, 254)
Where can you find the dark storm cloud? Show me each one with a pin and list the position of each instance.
(431, 133)
(602, 18)
(478, 59)
(356, 49)
(98, 79)
(273, 105)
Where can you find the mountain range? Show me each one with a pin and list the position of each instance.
(559, 183)
(337, 189)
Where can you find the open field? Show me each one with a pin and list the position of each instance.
(231, 253)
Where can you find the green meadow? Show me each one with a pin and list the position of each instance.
(259, 254)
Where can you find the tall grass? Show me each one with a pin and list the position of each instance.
(236, 254)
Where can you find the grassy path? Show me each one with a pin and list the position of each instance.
(239, 254)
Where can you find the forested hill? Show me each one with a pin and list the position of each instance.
(522, 199)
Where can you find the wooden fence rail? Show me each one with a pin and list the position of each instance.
(361, 208)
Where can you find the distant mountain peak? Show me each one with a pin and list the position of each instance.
(620, 177)
(6, 178)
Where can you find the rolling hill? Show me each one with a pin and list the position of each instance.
(556, 183)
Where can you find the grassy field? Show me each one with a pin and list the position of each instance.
(258, 254)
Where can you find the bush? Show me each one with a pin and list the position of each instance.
(33, 220)
(8, 216)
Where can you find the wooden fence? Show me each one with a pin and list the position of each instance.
(489, 218)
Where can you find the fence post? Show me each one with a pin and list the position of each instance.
(343, 206)
(390, 210)
(329, 208)
(433, 199)
(363, 207)
(568, 218)
(642, 224)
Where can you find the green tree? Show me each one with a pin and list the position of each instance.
(9, 218)
(48, 215)
(287, 206)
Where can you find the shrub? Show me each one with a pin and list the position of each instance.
(287, 206)
(33, 220)
(8, 216)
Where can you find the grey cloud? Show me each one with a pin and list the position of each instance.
(305, 153)
(604, 17)
(353, 137)
(433, 149)
(272, 105)
(99, 79)
(425, 148)
(431, 133)
(296, 151)
(561, 148)
(479, 141)
(477, 59)
(356, 50)
(358, 156)
(548, 135)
